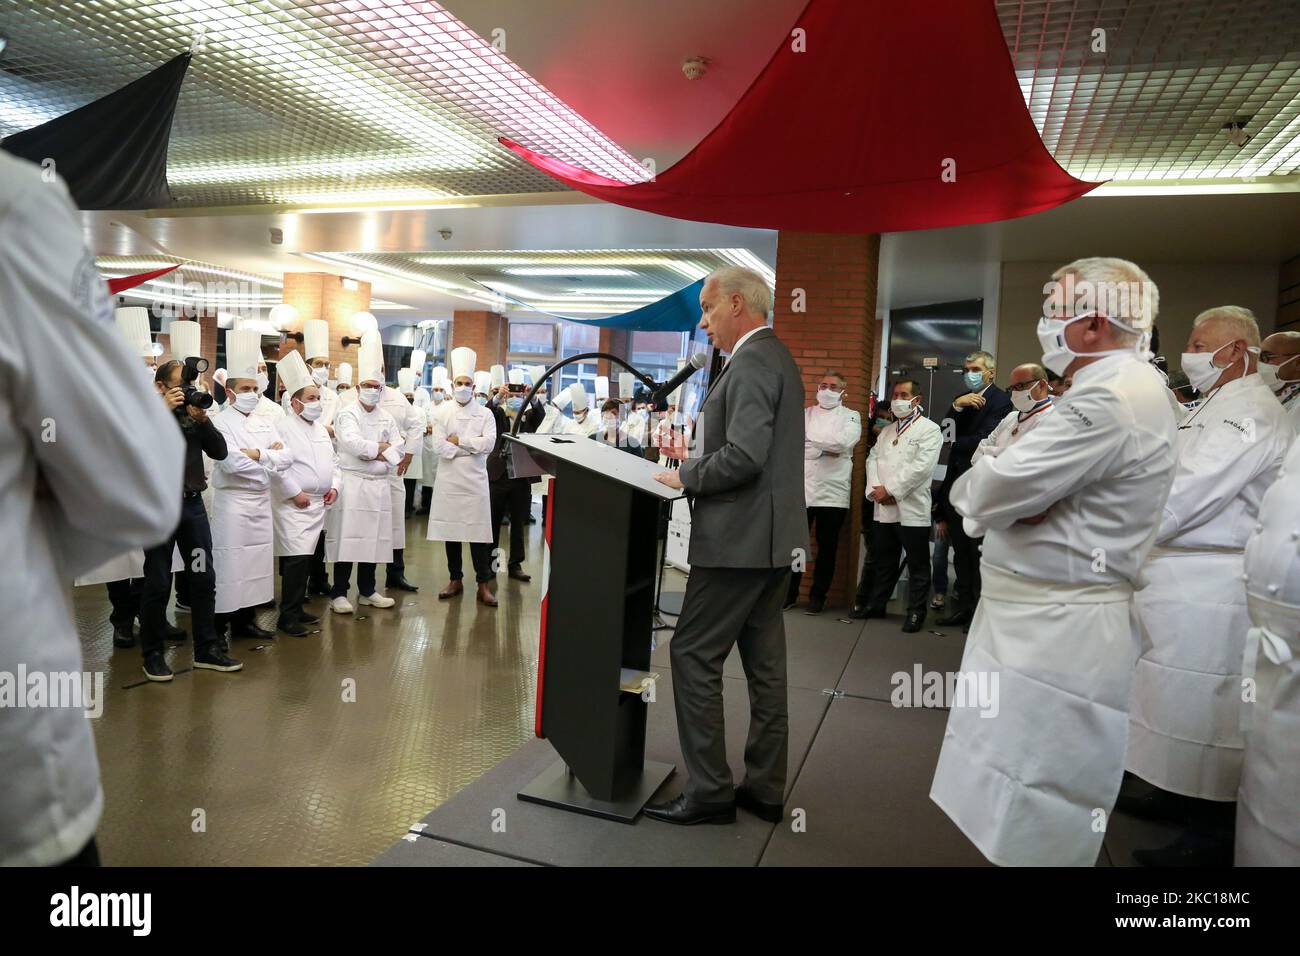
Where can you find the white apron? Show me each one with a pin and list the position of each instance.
(429, 463)
(298, 529)
(461, 509)
(1268, 803)
(123, 567)
(243, 548)
(1185, 715)
(1033, 785)
(350, 531)
(397, 510)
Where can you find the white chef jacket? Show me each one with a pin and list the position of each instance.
(1290, 399)
(905, 469)
(358, 434)
(267, 408)
(314, 469)
(1100, 464)
(359, 527)
(1229, 452)
(313, 472)
(1007, 431)
(409, 420)
(829, 432)
(114, 476)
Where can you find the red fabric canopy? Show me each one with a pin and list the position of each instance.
(853, 134)
(130, 282)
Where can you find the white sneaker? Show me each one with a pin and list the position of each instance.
(341, 605)
(377, 599)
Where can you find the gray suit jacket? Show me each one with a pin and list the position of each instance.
(747, 484)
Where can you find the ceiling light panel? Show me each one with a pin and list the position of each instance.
(289, 101)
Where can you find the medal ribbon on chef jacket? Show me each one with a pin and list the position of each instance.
(1042, 406)
(910, 422)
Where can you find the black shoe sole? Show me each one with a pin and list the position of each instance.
(769, 812)
(718, 819)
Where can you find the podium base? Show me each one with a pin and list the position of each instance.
(556, 787)
(670, 602)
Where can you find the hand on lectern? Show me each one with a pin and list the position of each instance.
(670, 478)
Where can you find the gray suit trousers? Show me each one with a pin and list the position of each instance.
(725, 607)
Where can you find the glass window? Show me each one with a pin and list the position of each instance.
(656, 353)
(532, 338)
(574, 340)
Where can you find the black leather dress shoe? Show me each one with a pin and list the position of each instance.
(292, 627)
(123, 637)
(771, 812)
(305, 618)
(683, 811)
(815, 606)
(958, 616)
(400, 583)
(914, 622)
(859, 613)
(518, 574)
(251, 630)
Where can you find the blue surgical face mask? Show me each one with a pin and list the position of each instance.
(514, 404)
(481, 399)
(974, 380)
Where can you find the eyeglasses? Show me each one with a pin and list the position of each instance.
(832, 386)
(1024, 386)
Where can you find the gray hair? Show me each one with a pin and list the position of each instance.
(990, 363)
(751, 286)
(1240, 322)
(1116, 288)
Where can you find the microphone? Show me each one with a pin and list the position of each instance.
(693, 365)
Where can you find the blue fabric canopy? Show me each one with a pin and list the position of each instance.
(679, 312)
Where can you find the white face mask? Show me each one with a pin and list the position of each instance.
(1272, 374)
(369, 396)
(437, 398)
(463, 394)
(1200, 369)
(246, 401)
(1022, 400)
(262, 381)
(1057, 356)
(310, 411)
(828, 399)
(320, 376)
(902, 407)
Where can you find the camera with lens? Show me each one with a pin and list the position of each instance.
(190, 371)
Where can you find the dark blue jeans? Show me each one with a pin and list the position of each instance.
(193, 535)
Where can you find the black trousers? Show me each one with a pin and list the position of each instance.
(825, 523)
(193, 535)
(513, 496)
(343, 578)
(867, 576)
(410, 484)
(426, 497)
(244, 617)
(888, 543)
(317, 576)
(479, 552)
(293, 586)
(965, 564)
(124, 596)
(182, 585)
(396, 567)
(725, 608)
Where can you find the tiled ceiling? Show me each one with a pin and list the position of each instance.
(296, 102)
(585, 283)
(299, 102)
(1173, 72)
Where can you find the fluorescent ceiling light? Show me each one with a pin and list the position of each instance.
(567, 271)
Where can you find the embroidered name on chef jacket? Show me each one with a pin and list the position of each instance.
(1075, 415)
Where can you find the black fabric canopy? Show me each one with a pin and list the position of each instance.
(112, 153)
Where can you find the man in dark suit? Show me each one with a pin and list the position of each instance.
(748, 525)
(974, 417)
(513, 496)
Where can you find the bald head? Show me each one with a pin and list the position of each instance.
(1281, 350)
(1029, 379)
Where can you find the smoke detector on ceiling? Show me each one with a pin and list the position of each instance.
(695, 67)
(445, 233)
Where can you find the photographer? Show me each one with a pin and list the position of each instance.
(193, 536)
(513, 496)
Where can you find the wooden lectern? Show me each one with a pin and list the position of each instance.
(594, 658)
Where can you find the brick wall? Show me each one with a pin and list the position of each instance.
(487, 333)
(615, 342)
(835, 330)
(320, 295)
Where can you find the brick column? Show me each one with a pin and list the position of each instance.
(615, 342)
(487, 333)
(832, 280)
(320, 295)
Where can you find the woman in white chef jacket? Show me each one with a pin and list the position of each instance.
(464, 433)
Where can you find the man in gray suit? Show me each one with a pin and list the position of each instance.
(748, 526)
